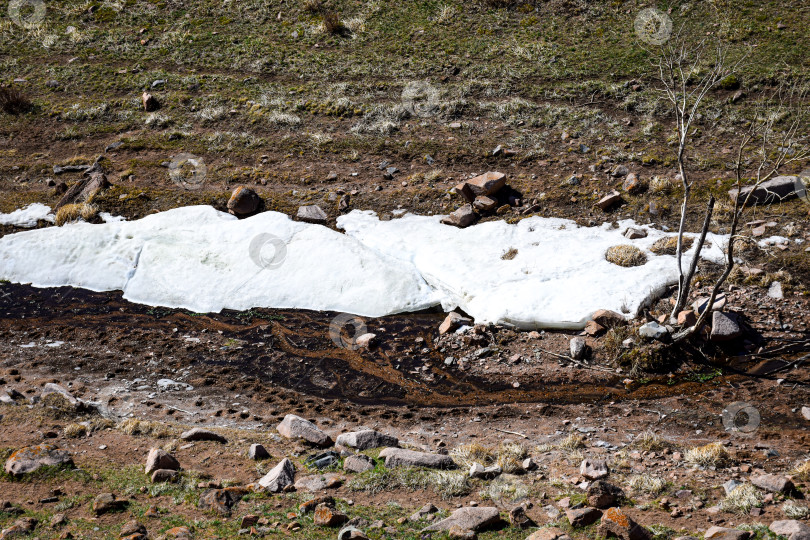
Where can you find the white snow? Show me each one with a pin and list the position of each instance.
(201, 259)
(558, 278)
(28, 216)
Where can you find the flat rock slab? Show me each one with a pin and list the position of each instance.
(582, 517)
(318, 482)
(774, 190)
(723, 533)
(366, 439)
(725, 327)
(357, 464)
(468, 519)
(29, 459)
(281, 476)
(791, 528)
(774, 483)
(400, 457)
(200, 434)
(295, 427)
(549, 533)
(312, 214)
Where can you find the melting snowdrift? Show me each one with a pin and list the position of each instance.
(28, 216)
(554, 273)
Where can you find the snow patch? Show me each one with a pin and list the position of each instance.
(540, 272)
(29, 216)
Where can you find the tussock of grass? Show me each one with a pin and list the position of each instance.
(625, 255)
(711, 455)
(660, 186)
(468, 454)
(449, 484)
(74, 431)
(510, 457)
(647, 483)
(802, 471)
(669, 245)
(505, 490)
(73, 212)
(650, 442)
(12, 101)
(134, 426)
(742, 499)
(794, 510)
(572, 442)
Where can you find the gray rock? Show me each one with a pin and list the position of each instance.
(725, 327)
(400, 457)
(722, 533)
(549, 533)
(366, 439)
(653, 330)
(806, 413)
(258, 452)
(610, 200)
(791, 529)
(52, 389)
(619, 171)
(463, 217)
(774, 190)
(485, 473)
(773, 483)
(164, 475)
(577, 347)
(357, 464)
(106, 502)
(529, 465)
(582, 517)
(731, 485)
(318, 482)
(295, 427)
(468, 519)
(30, 458)
(200, 434)
(634, 234)
(160, 459)
(312, 214)
(244, 202)
(423, 512)
(281, 476)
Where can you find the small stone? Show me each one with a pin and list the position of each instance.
(149, 102)
(244, 202)
(222, 500)
(164, 475)
(653, 330)
(577, 347)
(687, 318)
(423, 512)
(615, 523)
(483, 203)
(486, 184)
(453, 321)
(610, 200)
(548, 533)
(312, 214)
(806, 413)
(258, 452)
(608, 318)
(725, 327)
(132, 527)
(106, 502)
(634, 233)
(593, 469)
(312, 504)
(519, 519)
(358, 463)
(602, 494)
(619, 171)
(485, 473)
(461, 218)
(326, 516)
(593, 328)
(632, 184)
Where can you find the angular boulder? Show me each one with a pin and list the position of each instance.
(160, 459)
(593, 469)
(582, 517)
(281, 476)
(486, 184)
(723, 533)
(773, 483)
(312, 214)
(792, 529)
(617, 524)
(771, 191)
(357, 464)
(461, 218)
(725, 327)
(295, 427)
(244, 202)
(602, 494)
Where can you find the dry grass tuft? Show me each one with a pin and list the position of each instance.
(12, 101)
(802, 471)
(449, 484)
(134, 426)
(794, 510)
(510, 457)
(741, 500)
(332, 23)
(660, 186)
(74, 212)
(647, 483)
(74, 431)
(625, 255)
(467, 454)
(669, 245)
(572, 442)
(650, 442)
(711, 455)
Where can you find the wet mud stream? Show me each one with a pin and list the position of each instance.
(302, 351)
